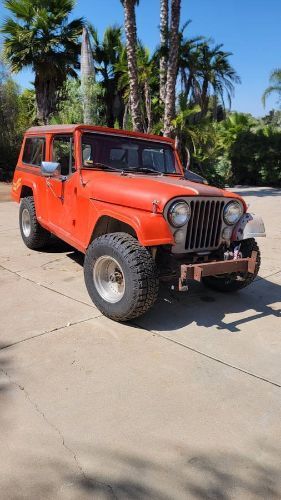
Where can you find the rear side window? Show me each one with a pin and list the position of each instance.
(34, 151)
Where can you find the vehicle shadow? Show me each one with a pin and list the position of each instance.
(55, 245)
(207, 308)
(204, 307)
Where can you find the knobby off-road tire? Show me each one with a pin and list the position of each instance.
(232, 283)
(33, 235)
(121, 277)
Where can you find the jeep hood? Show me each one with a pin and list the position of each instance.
(140, 191)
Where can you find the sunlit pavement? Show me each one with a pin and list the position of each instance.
(184, 403)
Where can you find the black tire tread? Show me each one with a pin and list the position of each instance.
(139, 260)
(39, 236)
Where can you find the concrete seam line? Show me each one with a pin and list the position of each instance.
(58, 431)
(258, 278)
(46, 332)
(16, 273)
(213, 358)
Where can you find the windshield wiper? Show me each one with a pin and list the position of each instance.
(105, 167)
(143, 169)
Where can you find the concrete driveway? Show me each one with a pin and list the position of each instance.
(184, 403)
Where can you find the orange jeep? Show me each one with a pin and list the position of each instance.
(123, 199)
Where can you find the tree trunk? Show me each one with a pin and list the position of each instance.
(147, 97)
(46, 98)
(170, 100)
(188, 85)
(164, 46)
(204, 97)
(131, 44)
(125, 116)
(87, 77)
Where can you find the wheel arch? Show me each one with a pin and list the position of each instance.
(107, 224)
(26, 191)
(148, 228)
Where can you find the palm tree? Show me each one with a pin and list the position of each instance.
(38, 35)
(216, 75)
(275, 80)
(189, 54)
(107, 55)
(170, 99)
(131, 43)
(164, 46)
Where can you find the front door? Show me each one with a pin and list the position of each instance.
(61, 191)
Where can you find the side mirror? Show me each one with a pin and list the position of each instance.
(50, 169)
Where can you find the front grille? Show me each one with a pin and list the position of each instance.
(205, 224)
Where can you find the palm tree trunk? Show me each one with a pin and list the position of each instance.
(170, 100)
(164, 42)
(87, 77)
(131, 44)
(46, 98)
(148, 106)
(204, 97)
(188, 85)
(125, 116)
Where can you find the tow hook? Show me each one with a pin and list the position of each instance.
(235, 255)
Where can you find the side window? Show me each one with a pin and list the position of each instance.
(34, 151)
(63, 153)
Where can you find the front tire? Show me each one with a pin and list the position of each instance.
(121, 276)
(234, 282)
(33, 235)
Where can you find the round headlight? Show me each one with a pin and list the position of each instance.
(232, 212)
(179, 213)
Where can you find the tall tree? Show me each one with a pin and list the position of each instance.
(170, 99)
(216, 74)
(164, 46)
(275, 81)
(131, 43)
(38, 35)
(107, 54)
(189, 51)
(87, 76)
(147, 80)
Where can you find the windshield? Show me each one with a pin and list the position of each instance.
(126, 153)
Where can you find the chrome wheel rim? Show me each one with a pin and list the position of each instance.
(109, 279)
(26, 222)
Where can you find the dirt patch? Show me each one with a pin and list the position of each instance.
(5, 191)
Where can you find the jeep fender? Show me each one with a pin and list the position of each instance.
(19, 183)
(151, 229)
(249, 226)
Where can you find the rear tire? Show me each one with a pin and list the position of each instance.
(33, 235)
(121, 277)
(234, 282)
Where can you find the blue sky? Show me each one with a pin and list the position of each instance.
(248, 28)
